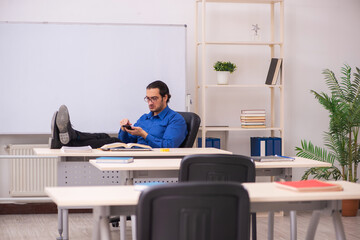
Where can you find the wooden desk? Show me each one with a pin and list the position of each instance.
(118, 200)
(174, 164)
(156, 152)
(278, 169)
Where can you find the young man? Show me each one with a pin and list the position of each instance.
(160, 128)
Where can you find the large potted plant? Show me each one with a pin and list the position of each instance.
(223, 70)
(341, 140)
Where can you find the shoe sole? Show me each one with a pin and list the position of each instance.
(54, 140)
(62, 121)
(53, 122)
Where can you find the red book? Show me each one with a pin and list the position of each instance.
(309, 186)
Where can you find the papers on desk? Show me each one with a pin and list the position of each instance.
(81, 149)
(275, 158)
(114, 160)
(312, 185)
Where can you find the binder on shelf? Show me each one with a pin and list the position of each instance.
(258, 146)
(269, 146)
(210, 142)
(265, 146)
(277, 146)
(216, 142)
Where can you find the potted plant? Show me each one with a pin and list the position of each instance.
(341, 149)
(223, 71)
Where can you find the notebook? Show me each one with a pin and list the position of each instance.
(275, 158)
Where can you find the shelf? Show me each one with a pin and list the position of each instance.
(273, 44)
(214, 129)
(242, 1)
(244, 86)
(245, 43)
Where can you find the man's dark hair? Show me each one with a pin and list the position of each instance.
(163, 88)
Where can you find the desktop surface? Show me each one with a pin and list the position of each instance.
(127, 195)
(174, 164)
(173, 152)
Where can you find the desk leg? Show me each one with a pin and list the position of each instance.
(293, 225)
(65, 220)
(60, 224)
(133, 227)
(271, 226)
(101, 228)
(314, 221)
(339, 228)
(129, 178)
(96, 223)
(122, 227)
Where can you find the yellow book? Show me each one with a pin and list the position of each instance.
(253, 126)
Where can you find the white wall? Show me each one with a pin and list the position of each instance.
(318, 34)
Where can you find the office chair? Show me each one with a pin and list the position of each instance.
(194, 211)
(193, 123)
(220, 168)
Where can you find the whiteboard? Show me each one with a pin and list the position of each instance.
(99, 71)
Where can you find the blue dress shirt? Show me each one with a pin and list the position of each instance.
(165, 130)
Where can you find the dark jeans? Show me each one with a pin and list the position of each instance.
(95, 140)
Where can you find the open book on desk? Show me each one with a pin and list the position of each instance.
(125, 147)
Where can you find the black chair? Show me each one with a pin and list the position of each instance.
(219, 167)
(193, 123)
(194, 211)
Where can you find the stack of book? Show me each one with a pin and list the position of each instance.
(253, 118)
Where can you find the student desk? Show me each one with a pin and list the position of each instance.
(281, 169)
(74, 168)
(122, 200)
(155, 152)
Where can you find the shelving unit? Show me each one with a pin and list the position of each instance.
(276, 101)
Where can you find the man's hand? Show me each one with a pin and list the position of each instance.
(123, 122)
(137, 131)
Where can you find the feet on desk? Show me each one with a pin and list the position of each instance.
(66, 133)
(54, 140)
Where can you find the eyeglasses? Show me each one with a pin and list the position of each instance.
(151, 99)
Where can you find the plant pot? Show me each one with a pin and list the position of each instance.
(223, 77)
(350, 207)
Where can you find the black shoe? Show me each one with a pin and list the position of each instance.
(54, 139)
(66, 133)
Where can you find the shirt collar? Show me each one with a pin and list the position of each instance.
(161, 115)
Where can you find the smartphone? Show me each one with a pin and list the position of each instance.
(127, 127)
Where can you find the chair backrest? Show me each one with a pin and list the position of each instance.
(193, 123)
(217, 167)
(194, 211)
